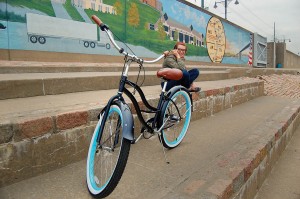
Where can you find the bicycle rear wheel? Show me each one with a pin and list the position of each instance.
(107, 160)
(176, 116)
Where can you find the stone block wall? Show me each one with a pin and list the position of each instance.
(37, 145)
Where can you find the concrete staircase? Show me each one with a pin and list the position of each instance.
(23, 81)
(39, 79)
(48, 112)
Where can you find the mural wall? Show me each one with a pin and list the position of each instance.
(148, 27)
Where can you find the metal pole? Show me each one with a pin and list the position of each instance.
(274, 50)
(7, 29)
(202, 4)
(225, 9)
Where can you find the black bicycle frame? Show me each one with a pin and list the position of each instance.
(119, 98)
(144, 100)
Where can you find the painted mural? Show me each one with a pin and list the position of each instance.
(148, 27)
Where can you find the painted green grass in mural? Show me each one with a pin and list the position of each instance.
(44, 6)
(140, 35)
(72, 11)
(147, 13)
(159, 46)
(3, 15)
(196, 50)
(116, 23)
(12, 17)
(111, 2)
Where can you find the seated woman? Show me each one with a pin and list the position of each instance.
(175, 59)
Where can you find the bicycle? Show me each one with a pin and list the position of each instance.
(114, 133)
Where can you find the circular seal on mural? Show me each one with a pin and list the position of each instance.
(215, 40)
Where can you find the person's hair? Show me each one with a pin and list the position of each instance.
(180, 43)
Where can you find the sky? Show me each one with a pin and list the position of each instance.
(260, 15)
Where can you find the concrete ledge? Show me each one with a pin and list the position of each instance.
(239, 172)
(43, 143)
(266, 153)
(39, 84)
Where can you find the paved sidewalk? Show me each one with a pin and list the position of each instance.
(209, 157)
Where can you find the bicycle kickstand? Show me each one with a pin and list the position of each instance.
(163, 148)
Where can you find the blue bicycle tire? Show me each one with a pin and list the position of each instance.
(101, 186)
(174, 131)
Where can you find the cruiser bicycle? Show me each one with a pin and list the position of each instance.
(114, 132)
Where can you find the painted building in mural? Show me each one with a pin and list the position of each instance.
(96, 5)
(154, 3)
(149, 26)
(181, 32)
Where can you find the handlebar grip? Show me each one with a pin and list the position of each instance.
(97, 20)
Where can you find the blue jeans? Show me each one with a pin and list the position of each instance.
(187, 79)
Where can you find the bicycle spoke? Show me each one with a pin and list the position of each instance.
(176, 119)
(110, 137)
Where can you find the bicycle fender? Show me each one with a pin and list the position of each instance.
(128, 125)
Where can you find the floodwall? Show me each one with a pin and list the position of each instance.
(147, 27)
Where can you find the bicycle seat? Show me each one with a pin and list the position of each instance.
(169, 73)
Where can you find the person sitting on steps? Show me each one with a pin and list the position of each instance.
(175, 59)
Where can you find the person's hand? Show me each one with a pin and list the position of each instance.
(175, 52)
(166, 53)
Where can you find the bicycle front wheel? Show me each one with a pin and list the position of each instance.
(107, 159)
(176, 116)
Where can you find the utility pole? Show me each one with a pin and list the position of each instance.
(226, 5)
(225, 9)
(274, 50)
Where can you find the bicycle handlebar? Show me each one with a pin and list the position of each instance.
(105, 28)
(97, 20)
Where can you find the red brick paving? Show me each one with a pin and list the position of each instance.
(284, 85)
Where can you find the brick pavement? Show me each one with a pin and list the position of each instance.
(284, 85)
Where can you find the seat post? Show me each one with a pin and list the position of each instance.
(164, 86)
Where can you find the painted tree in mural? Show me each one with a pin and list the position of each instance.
(118, 8)
(161, 31)
(133, 15)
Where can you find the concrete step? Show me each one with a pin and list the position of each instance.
(38, 84)
(21, 85)
(59, 67)
(226, 155)
(27, 79)
(39, 134)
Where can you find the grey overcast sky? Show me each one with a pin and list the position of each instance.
(259, 16)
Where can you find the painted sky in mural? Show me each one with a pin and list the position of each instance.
(186, 15)
(236, 38)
